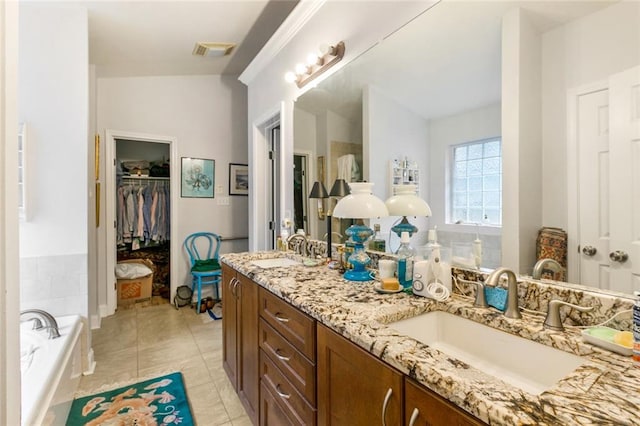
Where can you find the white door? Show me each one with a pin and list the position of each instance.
(593, 174)
(608, 136)
(624, 212)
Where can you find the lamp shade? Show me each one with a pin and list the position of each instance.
(405, 202)
(360, 203)
(339, 188)
(318, 191)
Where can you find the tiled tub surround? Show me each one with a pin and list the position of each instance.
(605, 390)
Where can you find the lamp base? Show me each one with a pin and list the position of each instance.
(360, 275)
(404, 226)
(359, 258)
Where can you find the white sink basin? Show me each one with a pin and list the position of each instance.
(528, 365)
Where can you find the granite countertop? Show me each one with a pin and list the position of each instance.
(604, 390)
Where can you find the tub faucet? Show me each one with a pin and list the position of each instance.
(49, 320)
(512, 311)
(546, 264)
(299, 246)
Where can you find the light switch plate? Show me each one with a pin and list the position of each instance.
(223, 201)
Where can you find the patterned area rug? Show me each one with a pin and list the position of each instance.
(160, 401)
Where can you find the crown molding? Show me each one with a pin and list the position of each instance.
(296, 20)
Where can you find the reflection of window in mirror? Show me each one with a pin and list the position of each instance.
(476, 176)
(22, 170)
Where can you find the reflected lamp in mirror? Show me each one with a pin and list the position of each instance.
(405, 203)
(319, 192)
(339, 189)
(360, 204)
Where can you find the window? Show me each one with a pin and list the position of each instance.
(476, 176)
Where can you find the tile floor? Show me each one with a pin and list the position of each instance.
(148, 341)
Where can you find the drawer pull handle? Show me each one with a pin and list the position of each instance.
(414, 417)
(280, 318)
(282, 394)
(384, 406)
(280, 356)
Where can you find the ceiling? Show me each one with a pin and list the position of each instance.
(147, 38)
(445, 61)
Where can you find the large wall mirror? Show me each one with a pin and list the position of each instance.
(557, 83)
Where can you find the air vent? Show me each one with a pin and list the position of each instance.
(213, 49)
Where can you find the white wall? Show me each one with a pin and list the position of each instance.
(394, 132)
(581, 52)
(469, 126)
(359, 24)
(304, 125)
(53, 101)
(9, 273)
(521, 142)
(207, 115)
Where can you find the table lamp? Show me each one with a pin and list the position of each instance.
(360, 204)
(405, 203)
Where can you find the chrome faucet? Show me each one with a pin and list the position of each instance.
(546, 264)
(299, 246)
(50, 322)
(512, 311)
(553, 320)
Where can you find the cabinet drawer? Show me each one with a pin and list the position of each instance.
(285, 394)
(298, 369)
(296, 327)
(424, 406)
(271, 413)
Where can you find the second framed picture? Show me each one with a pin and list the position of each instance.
(197, 178)
(238, 179)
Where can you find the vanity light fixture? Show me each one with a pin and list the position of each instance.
(360, 204)
(405, 203)
(316, 64)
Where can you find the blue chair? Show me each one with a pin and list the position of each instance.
(205, 270)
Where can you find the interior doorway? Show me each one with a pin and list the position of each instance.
(141, 189)
(300, 195)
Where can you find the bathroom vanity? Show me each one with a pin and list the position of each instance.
(331, 351)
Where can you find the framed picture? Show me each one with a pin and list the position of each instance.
(197, 178)
(238, 179)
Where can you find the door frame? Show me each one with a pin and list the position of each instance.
(573, 184)
(110, 211)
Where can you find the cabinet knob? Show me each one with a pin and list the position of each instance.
(282, 394)
(280, 318)
(414, 417)
(384, 406)
(589, 250)
(618, 256)
(281, 357)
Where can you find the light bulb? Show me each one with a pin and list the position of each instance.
(312, 59)
(290, 77)
(301, 69)
(324, 49)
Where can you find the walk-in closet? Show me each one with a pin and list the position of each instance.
(143, 206)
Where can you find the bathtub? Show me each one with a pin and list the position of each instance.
(50, 371)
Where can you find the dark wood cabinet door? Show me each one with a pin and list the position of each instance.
(426, 408)
(248, 349)
(230, 325)
(355, 388)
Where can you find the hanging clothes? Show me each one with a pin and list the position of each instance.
(142, 217)
(348, 168)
